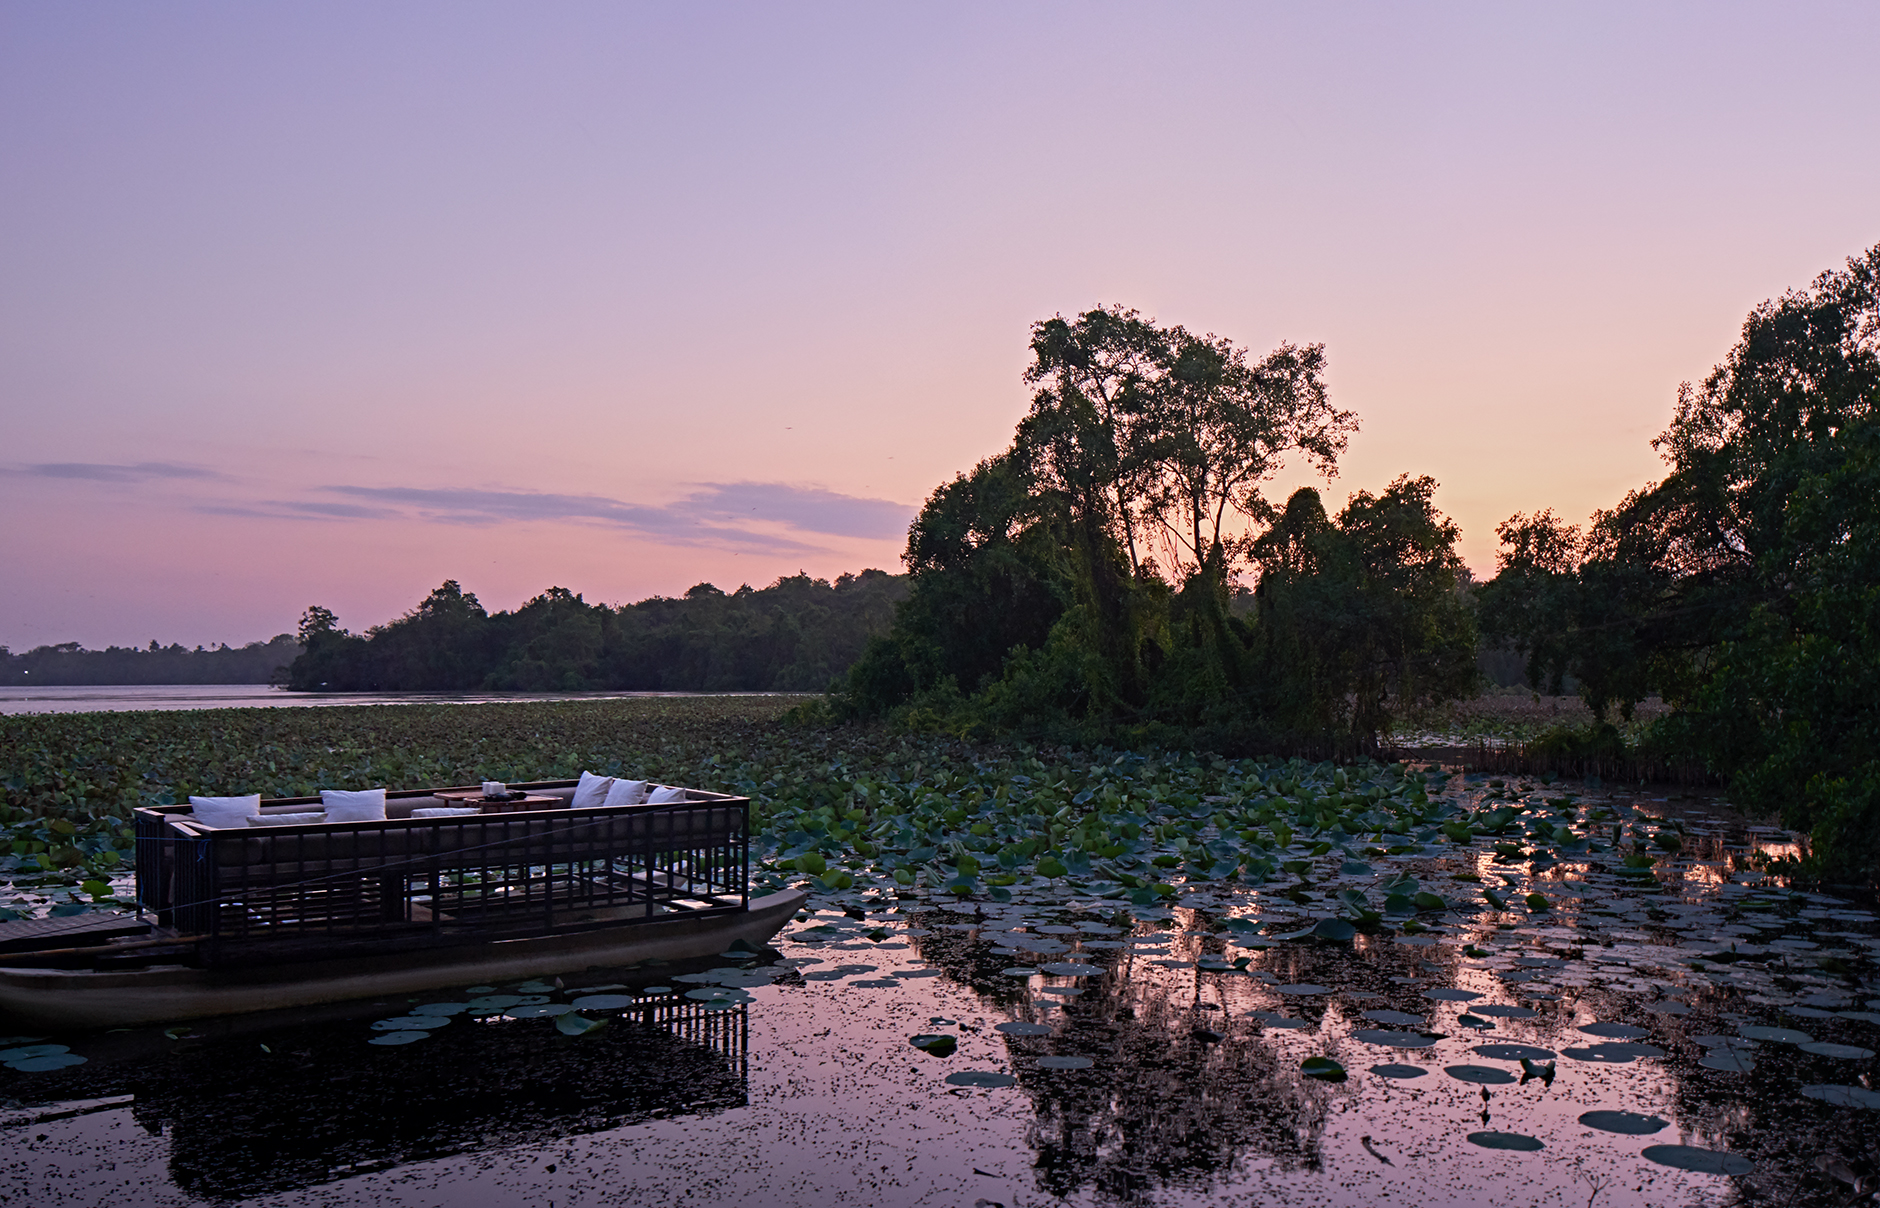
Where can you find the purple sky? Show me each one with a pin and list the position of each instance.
(326, 303)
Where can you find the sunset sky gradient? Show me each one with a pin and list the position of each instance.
(325, 303)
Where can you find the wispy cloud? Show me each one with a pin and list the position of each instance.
(90, 471)
(725, 514)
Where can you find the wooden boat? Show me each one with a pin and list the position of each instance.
(234, 920)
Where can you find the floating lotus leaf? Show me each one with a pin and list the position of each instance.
(1519, 1142)
(1775, 1035)
(602, 1002)
(1699, 1161)
(1395, 1040)
(1846, 1052)
(935, 1045)
(1487, 1075)
(1064, 1063)
(441, 1008)
(1844, 1096)
(1630, 1123)
(1399, 1071)
(51, 1061)
(1019, 1027)
(1514, 1052)
(539, 1010)
(1397, 1017)
(985, 1078)
(1017, 971)
(1337, 930)
(574, 1025)
(1615, 1031)
(910, 973)
(1303, 989)
(1322, 1068)
(1058, 969)
(30, 1051)
(498, 1002)
(410, 1023)
(1444, 994)
(1729, 1061)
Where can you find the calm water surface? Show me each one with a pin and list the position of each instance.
(1148, 1068)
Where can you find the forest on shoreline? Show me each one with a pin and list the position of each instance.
(68, 664)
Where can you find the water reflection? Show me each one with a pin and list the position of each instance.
(319, 1104)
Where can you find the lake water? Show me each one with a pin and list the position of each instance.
(107, 697)
(1123, 1057)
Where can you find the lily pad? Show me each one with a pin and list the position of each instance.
(1401, 1018)
(30, 1051)
(1698, 1161)
(986, 1078)
(1775, 1035)
(1399, 1071)
(1334, 929)
(1017, 971)
(1847, 1052)
(875, 983)
(1019, 1027)
(1065, 1063)
(1514, 1052)
(499, 1002)
(1446, 994)
(576, 1025)
(1614, 1052)
(1322, 1068)
(602, 1002)
(1630, 1123)
(399, 1037)
(441, 1008)
(1728, 1061)
(1487, 1075)
(1844, 1096)
(1519, 1142)
(655, 991)
(410, 1023)
(1395, 1040)
(1615, 1031)
(1054, 968)
(935, 1045)
(914, 972)
(539, 1010)
(51, 1061)
(1302, 988)
(1502, 1011)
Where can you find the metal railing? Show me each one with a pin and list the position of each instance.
(425, 881)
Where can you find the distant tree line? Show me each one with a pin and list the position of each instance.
(797, 635)
(70, 664)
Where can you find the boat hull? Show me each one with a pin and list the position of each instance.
(67, 999)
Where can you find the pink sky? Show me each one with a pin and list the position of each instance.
(326, 303)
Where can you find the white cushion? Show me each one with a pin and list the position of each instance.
(592, 790)
(285, 819)
(447, 811)
(225, 811)
(365, 805)
(627, 792)
(664, 795)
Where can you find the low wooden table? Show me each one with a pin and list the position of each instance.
(475, 797)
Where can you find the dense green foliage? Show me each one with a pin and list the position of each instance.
(1745, 587)
(796, 635)
(1082, 585)
(845, 809)
(68, 663)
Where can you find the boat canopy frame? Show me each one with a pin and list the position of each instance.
(316, 890)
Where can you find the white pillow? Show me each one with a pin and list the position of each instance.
(225, 811)
(445, 812)
(285, 819)
(365, 805)
(665, 795)
(627, 792)
(591, 791)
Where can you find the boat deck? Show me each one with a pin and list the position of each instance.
(73, 931)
